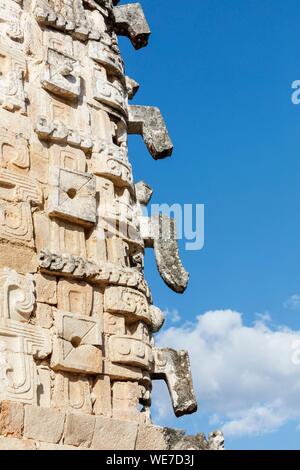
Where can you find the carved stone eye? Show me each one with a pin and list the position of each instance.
(71, 193)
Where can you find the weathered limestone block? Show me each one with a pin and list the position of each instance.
(75, 297)
(159, 232)
(72, 392)
(156, 438)
(39, 160)
(72, 196)
(76, 346)
(174, 368)
(17, 295)
(111, 162)
(14, 153)
(60, 75)
(46, 287)
(46, 446)
(102, 396)
(72, 18)
(59, 236)
(143, 193)
(157, 318)
(167, 256)
(102, 54)
(11, 419)
(130, 21)
(114, 324)
(111, 94)
(132, 87)
(44, 315)
(20, 258)
(10, 16)
(122, 371)
(149, 123)
(7, 443)
(112, 434)
(126, 398)
(16, 223)
(20, 344)
(130, 351)
(15, 187)
(67, 157)
(79, 268)
(44, 424)
(129, 302)
(216, 441)
(58, 132)
(13, 70)
(79, 429)
(44, 385)
(151, 438)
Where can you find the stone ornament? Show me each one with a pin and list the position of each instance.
(77, 317)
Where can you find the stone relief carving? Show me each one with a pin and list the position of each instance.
(13, 70)
(14, 151)
(72, 196)
(127, 301)
(15, 187)
(77, 320)
(60, 76)
(77, 342)
(17, 295)
(16, 223)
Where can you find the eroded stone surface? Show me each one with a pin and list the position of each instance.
(130, 21)
(149, 123)
(77, 320)
(43, 424)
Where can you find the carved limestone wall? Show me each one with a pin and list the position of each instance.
(77, 320)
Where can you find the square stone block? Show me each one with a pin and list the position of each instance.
(77, 344)
(72, 196)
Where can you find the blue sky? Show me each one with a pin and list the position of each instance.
(221, 72)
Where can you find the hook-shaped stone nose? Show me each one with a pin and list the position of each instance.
(130, 21)
(174, 367)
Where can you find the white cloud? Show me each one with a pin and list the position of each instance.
(246, 377)
(292, 303)
(172, 315)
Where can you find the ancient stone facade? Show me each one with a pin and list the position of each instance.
(77, 318)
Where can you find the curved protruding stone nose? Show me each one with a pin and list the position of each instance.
(150, 124)
(130, 21)
(174, 367)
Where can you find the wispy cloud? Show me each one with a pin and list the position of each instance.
(172, 315)
(244, 376)
(292, 303)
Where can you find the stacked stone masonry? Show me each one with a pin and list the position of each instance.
(77, 320)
